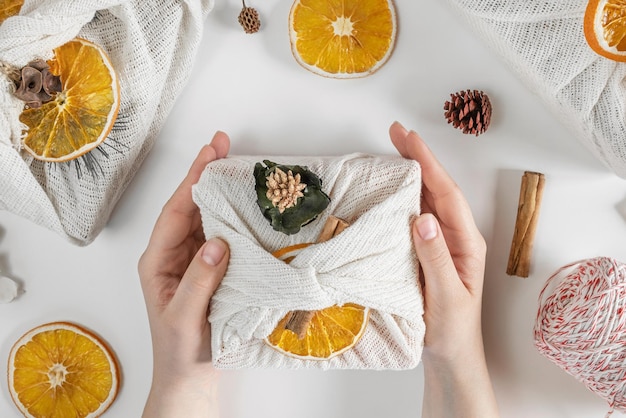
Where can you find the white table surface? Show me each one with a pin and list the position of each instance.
(251, 87)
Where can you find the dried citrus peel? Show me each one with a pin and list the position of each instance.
(60, 369)
(9, 8)
(330, 332)
(342, 39)
(79, 118)
(605, 28)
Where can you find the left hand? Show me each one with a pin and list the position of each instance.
(179, 272)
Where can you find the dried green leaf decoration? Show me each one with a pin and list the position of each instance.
(289, 196)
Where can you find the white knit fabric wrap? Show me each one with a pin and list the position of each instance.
(152, 44)
(371, 263)
(543, 41)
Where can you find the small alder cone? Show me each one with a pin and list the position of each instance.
(469, 111)
(249, 19)
(284, 189)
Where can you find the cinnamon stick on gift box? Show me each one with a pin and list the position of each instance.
(528, 207)
(298, 321)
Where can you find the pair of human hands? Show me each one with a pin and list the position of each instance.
(180, 271)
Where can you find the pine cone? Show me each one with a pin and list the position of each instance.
(469, 111)
(249, 19)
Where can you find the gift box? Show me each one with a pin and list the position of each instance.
(151, 45)
(370, 268)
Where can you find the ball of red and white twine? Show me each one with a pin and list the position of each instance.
(581, 326)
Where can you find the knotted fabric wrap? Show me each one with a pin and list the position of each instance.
(544, 43)
(371, 263)
(581, 325)
(151, 44)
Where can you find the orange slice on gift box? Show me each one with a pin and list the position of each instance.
(62, 370)
(605, 28)
(9, 8)
(340, 38)
(328, 332)
(80, 117)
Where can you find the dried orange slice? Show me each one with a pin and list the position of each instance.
(605, 28)
(81, 116)
(330, 331)
(9, 8)
(342, 38)
(62, 370)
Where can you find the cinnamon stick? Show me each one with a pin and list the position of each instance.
(531, 193)
(298, 321)
(333, 227)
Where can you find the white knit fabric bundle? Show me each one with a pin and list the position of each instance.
(152, 44)
(543, 41)
(371, 263)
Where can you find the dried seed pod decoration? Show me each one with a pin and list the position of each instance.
(469, 111)
(249, 19)
(289, 196)
(37, 85)
(284, 189)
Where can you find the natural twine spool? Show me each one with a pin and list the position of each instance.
(581, 326)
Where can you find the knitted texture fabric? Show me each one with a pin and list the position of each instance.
(581, 325)
(372, 263)
(543, 42)
(152, 45)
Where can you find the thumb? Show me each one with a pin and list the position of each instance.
(440, 275)
(204, 274)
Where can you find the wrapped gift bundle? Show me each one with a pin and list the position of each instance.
(543, 41)
(151, 45)
(357, 291)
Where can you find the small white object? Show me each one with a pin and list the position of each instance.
(8, 289)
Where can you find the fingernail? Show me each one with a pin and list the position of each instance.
(213, 251)
(215, 135)
(400, 126)
(426, 227)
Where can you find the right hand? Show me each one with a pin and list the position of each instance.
(451, 252)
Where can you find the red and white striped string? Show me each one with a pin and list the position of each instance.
(581, 326)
